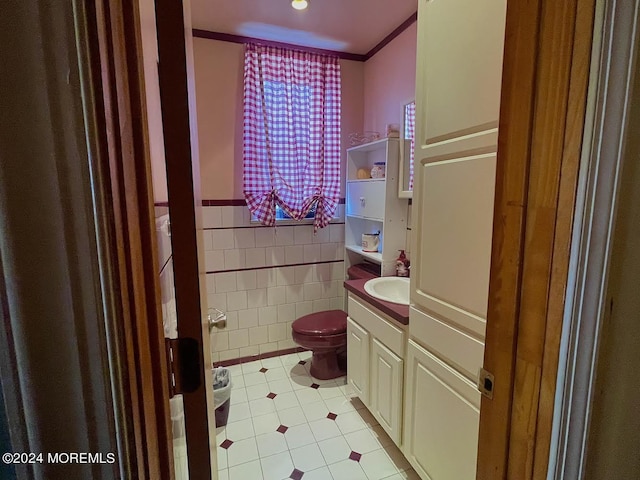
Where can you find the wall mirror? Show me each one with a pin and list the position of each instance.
(407, 140)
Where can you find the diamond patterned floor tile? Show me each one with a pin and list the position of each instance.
(296, 474)
(226, 444)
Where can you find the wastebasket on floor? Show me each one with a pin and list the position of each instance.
(221, 395)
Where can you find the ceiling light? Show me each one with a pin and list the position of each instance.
(299, 4)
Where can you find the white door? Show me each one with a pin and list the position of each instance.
(386, 389)
(459, 67)
(442, 414)
(358, 360)
(458, 83)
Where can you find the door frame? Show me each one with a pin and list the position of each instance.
(116, 85)
(543, 105)
(177, 98)
(588, 307)
(78, 105)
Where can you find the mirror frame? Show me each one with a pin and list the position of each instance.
(403, 192)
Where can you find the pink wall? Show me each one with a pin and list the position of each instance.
(218, 75)
(390, 81)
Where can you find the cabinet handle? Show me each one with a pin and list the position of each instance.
(362, 201)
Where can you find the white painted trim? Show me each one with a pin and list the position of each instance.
(615, 41)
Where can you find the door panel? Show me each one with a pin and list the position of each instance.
(177, 102)
(442, 413)
(163, 220)
(454, 231)
(460, 84)
(386, 389)
(461, 350)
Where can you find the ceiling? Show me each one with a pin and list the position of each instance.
(353, 26)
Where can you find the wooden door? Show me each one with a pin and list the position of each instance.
(358, 360)
(387, 381)
(123, 116)
(177, 97)
(544, 98)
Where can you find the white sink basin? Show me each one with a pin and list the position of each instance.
(389, 289)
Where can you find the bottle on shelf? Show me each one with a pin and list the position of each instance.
(402, 265)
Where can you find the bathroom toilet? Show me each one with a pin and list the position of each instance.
(325, 334)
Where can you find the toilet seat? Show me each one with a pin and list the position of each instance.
(327, 323)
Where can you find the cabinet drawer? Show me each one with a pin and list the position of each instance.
(366, 199)
(383, 330)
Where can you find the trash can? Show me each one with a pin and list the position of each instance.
(221, 395)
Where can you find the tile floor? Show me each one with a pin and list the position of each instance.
(284, 424)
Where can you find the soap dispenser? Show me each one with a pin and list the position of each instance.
(402, 265)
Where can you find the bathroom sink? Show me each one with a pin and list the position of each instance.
(389, 289)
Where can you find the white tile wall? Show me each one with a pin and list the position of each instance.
(261, 303)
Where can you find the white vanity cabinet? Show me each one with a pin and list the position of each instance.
(375, 368)
(373, 205)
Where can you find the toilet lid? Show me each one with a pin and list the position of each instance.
(330, 322)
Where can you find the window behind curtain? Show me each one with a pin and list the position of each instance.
(291, 133)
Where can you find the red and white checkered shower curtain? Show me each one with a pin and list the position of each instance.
(291, 133)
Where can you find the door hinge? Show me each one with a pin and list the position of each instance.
(183, 365)
(486, 382)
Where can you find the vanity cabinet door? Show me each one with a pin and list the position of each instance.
(358, 360)
(386, 389)
(442, 415)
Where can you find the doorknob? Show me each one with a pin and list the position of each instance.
(216, 318)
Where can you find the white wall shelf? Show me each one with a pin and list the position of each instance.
(372, 205)
(367, 147)
(375, 257)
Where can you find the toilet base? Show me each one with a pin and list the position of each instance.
(325, 365)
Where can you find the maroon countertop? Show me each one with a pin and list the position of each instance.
(394, 310)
